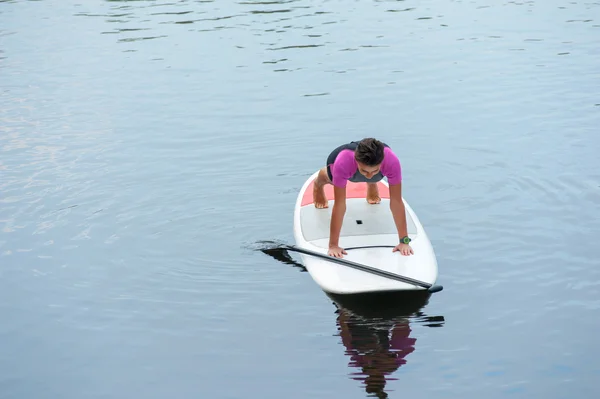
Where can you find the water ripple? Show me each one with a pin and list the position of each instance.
(142, 142)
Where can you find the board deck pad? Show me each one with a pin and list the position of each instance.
(360, 219)
(353, 190)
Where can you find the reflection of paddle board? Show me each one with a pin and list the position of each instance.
(364, 225)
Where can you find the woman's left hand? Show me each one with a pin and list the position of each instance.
(404, 249)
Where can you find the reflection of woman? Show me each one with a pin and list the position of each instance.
(377, 347)
(375, 329)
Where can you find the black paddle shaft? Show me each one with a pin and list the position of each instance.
(368, 269)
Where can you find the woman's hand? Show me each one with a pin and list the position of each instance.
(336, 251)
(404, 249)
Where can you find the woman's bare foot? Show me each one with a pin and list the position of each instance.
(319, 198)
(373, 193)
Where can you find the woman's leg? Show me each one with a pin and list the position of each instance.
(373, 193)
(372, 188)
(319, 198)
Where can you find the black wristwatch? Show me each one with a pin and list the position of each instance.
(405, 240)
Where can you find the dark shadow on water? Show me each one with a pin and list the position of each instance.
(375, 330)
(272, 249)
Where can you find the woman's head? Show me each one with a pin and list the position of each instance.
(369, 156)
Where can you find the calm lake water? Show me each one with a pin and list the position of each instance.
(148, 148)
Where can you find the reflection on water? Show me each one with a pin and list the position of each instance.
(375, 328)
(272, 248)
(377, 335)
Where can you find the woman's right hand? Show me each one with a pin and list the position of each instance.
(336, 251)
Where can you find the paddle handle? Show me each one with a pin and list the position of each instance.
(365, 268)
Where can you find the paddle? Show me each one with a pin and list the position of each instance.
(431, 288)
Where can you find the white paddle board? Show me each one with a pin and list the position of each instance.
(365, 225)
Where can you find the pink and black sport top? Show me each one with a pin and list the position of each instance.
(342, 167)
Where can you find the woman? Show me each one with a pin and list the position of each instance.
(368, 160)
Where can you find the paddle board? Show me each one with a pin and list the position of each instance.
(364, 225)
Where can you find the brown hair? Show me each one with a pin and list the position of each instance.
(369, 151)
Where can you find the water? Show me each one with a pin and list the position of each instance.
(147, 147)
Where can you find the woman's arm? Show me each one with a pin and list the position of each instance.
(399, 214)
(337, 217)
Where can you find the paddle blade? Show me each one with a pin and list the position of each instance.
(435, 288)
